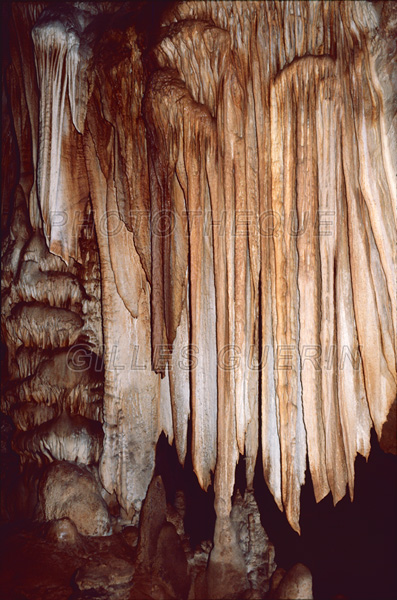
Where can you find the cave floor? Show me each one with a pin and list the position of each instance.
(35, 567)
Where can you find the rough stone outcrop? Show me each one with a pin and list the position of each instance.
(295, 584)
(257, 549)
(70, 490)
(110, 575)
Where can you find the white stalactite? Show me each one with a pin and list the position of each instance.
(287, 145)
(269, 137)
(61, 176)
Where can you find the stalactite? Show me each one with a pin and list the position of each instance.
(241, 179)
(61, 67)
(169, 280)
(277, 150)
(132, 391)
(26, 119)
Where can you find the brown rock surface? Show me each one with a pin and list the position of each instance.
(170, 563)
(35, 567)
(264, 134)
(296, 584)
(63, 531)
(104, 573)
(69, 490)
(276, 580)
(151, 522)
(131, 535)
(258, 551)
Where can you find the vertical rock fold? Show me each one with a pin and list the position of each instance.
(241, 179)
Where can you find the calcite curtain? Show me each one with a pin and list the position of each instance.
(242, 180)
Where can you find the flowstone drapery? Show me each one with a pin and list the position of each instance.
(239, 175)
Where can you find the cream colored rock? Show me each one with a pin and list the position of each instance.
(69, 490)
(61, 64)
(43, 326)
(279, 152)
(66, 437)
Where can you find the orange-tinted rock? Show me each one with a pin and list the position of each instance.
(104, 573)
(69, 490)
(151, 522)
(295, 585)
(63, 531)
(292, 117)
(170, 563)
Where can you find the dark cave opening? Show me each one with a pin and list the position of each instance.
(200, 512)
(351, 548)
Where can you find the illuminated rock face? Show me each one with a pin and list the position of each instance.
(221, 210)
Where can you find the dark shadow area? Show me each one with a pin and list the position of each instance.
(200, 512)
(150, 14)
(240, 481)
(351, 548)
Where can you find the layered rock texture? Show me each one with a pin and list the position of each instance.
(201, 227)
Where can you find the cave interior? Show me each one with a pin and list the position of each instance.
(198, 325)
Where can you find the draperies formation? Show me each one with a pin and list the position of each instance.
(269, 266)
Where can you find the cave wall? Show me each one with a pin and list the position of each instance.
(201, 226)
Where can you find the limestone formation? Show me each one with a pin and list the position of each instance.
(296, 584)
(106, 575)
(170, 562)
(200, 237)
(256, 547)
(153, 518)
(63, 531)
(69, 490)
